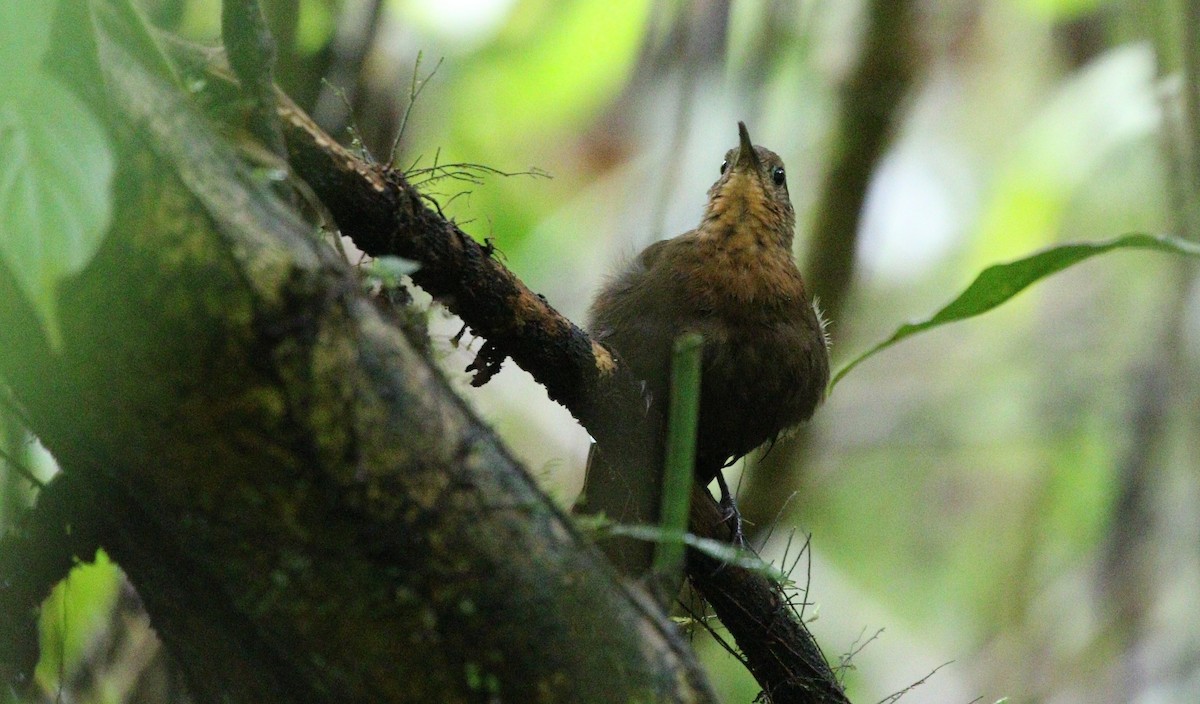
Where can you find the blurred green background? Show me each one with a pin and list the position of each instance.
(1013, 498)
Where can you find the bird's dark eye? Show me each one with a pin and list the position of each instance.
(778, 176)
(724, 165)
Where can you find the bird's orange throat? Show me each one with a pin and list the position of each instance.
(741, 215)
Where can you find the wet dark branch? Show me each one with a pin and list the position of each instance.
(774, 642)
(384, 215)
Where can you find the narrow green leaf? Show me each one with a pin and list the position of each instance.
(715, 549)
(56, 169)
(681, 449)
(1000, 282)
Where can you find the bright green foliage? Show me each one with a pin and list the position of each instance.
(1000, 282)
(24, 36)
(77, 609)
(558, 72)
(56, 168)
(1060, 9)
(1053, 157)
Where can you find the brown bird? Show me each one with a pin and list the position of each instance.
(765, 360)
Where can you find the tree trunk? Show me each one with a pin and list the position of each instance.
(307, 510)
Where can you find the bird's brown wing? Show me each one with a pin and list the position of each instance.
(651, 254)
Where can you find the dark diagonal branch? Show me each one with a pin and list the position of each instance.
(307, 509)
(776, 645)
(385, 216)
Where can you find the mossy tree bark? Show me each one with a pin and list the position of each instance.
(307, 510)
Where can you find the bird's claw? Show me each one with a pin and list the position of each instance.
(730, 514)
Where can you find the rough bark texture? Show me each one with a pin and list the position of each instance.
(774, 642)
(384, 216)
(306, 509)
(310, 513)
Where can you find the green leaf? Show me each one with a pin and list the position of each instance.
(1061, 10)
(76, 612)
(389, 270)
(24, 36)
(715, 549)
(56, 169)
(1000, 282)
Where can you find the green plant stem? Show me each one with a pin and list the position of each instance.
(681, 451)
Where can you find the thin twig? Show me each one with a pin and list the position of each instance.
(845, 662)
(414, 90)
(720, 639)
(464, 171)
(356, 140)
(778, 517)
(808, 575)
(895, 697)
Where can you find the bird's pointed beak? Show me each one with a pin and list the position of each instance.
(747, 158)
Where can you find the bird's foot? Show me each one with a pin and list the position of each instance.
(730, 513)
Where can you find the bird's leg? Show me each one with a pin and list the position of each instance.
(730, 510)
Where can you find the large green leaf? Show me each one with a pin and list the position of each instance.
(24, 37)
(1000, 282)
(56, 168)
